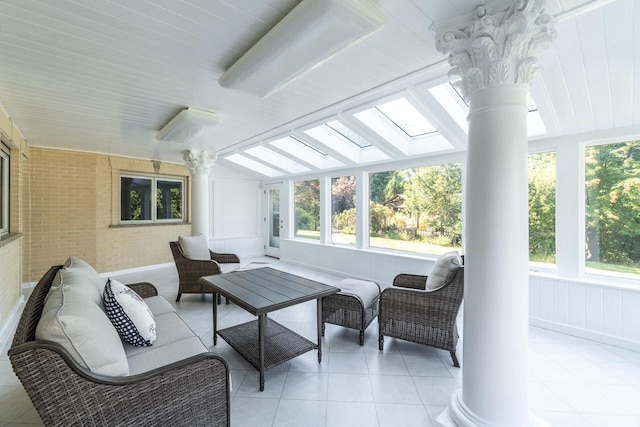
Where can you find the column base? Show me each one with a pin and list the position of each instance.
(457, 414)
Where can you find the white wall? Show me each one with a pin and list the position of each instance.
(236, 213)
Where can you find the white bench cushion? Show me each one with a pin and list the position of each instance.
(366, 290)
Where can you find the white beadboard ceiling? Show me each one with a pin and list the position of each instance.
(105, 76)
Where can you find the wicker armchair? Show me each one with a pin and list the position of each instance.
(411, 313)
(189, 270)
(191, 392)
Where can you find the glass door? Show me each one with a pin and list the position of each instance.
(274, 223)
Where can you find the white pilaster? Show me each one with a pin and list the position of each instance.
(200, 163)
(495, 57)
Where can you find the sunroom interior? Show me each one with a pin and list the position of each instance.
(356, 167)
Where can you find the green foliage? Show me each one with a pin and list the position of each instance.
(345, 221)
(542, 207)
(307, 205)
(612, 208)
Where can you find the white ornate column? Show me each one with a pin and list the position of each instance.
(495, 55)
(200, 163)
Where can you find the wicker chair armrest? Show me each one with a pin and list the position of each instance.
(194, 391)
(412, 281)
(224, 258)
(199, 268)
(417, 303)
(144, 289)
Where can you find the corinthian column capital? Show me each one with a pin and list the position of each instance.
(496, 49)
(199, 161)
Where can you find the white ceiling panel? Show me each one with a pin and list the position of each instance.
(105, 76)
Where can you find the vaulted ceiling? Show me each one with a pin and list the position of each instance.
(105, 76)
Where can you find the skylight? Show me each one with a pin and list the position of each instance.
(307, 153)
(349, 134)
(277, 160)
(453, 103)
(406, 117)
(248, 163)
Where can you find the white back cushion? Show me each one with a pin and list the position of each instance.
(443, 270)
(194, 247)
(78, 265)
(71, 318)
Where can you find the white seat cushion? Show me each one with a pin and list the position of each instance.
(194, 247)
(443, 270)
(365, 290)
(228, 267)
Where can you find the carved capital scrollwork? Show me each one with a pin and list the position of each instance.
(199, 161)
(498, 49)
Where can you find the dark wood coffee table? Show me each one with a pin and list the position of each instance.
(263, 342)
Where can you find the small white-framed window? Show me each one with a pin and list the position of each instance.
(149, 199)
(4, 190)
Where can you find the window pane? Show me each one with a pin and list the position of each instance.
(406, 117)
(307, 209)
(349, 134)
(343, 210)
(542, 209)
(417, 210)
(612, 209)
(135, 199)
(168, 199)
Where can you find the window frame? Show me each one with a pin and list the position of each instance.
(295, 217)
(5, 165)
(153, 199)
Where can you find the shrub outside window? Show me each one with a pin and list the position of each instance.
(4, 192)
(151, 199)
(542, 209)
(343, 210)
(417, 210)
(307, 209)
(612, 209)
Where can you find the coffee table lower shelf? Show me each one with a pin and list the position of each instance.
(280, 343)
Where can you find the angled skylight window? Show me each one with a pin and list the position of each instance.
(308, 154)
(248, 163)
(406, 117)
(349, 134)
(277, 160)
(452, 102)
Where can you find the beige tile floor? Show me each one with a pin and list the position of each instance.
(573, 382)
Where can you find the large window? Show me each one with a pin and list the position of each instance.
(542, 209)
(417, 210)
(307, 209)
(343, 210)
(151, 199)
(612, 209)
(4, 191)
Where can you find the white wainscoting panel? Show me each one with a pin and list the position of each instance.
(601, 312)
(244, 247)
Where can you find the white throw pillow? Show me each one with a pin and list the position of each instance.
(129, 314)
(443, 270)
(195, 247)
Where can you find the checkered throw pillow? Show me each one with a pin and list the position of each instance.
(129, 314)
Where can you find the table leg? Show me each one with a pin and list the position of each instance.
(319, 327)
(215, 319)
(261, 349)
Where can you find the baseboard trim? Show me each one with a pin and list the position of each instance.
(137, 269)
(583, 333)
(9, 326)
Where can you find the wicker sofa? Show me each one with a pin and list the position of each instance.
(176, 381)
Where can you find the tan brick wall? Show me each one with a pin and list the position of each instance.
(9, 278)
(72, 199)
(61, 201)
